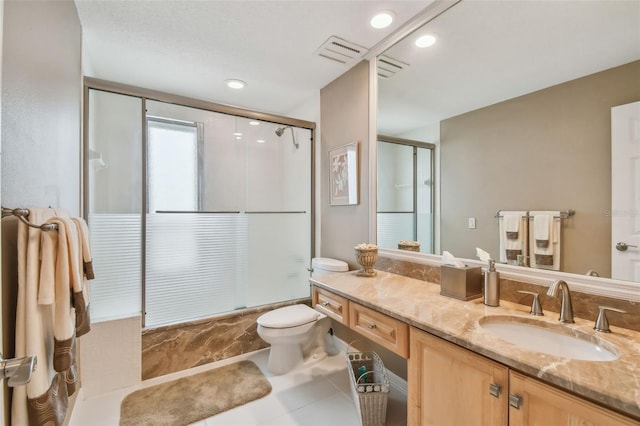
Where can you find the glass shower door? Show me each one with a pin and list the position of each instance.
(405, 195)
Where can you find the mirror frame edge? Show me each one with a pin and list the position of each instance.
(607, 287)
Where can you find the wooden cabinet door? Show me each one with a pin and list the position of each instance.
(541, 404)
(450, 385)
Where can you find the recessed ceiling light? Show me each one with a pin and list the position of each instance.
(254, 123)
(382, 19)
(237, 134)
(260, 140)
(238, 138)
(236, 84)
(426, 40)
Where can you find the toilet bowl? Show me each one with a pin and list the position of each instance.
(289, 330)
(297, 333)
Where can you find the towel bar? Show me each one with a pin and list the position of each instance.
(22, 214)
(563, 214)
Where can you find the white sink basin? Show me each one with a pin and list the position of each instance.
(551, 339)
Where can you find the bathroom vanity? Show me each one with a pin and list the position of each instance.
(459, 372)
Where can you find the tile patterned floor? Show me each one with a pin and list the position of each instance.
(316, 394)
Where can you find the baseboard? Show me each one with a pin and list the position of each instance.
(396, 382)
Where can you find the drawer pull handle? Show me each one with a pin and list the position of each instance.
(515, 401)
(372, 326)
(334, 307)
(495, 390)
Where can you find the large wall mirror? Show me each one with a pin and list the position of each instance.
(517, 99)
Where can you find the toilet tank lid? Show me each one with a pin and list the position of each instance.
(288, 316)
(329, 264)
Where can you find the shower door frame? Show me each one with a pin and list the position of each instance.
(91, 83)
(417, 144)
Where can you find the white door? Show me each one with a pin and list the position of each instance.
(625, 192)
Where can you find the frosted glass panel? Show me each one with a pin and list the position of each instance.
(115, 153)
(236, 227)
(116, 247)
(425, 232)
(195, 266)
(114, 173)
(278, 258)
(394, 227)
(424, 199)
(395, 177)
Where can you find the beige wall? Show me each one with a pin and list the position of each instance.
(41, 95)
(548, 150)
(344, 112)
(40, 122)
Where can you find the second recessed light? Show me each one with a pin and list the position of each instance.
(382, 19)
(426, 40)
(236, 84)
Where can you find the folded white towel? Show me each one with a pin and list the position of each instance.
(545, 245)
(511, 245)
(543, 226)
(512, 221)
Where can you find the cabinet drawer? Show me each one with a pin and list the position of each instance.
(380, 328)
(332, 305)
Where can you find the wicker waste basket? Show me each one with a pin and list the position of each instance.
(369, 387)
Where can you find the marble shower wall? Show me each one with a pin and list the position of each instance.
(181, 346)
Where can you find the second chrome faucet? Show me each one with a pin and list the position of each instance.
(566, 309)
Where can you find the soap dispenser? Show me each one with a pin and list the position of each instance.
(492, 285)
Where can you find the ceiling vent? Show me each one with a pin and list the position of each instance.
(388, 67)
(340, 50)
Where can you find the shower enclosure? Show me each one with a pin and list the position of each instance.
(405, 202)
(192, 211)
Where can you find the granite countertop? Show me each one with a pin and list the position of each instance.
(615, 384)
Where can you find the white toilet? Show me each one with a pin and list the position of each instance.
(297, 333)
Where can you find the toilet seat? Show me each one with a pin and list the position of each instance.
(288, 317)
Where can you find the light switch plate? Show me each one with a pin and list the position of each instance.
(472, 223)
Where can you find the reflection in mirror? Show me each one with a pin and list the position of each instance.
(518, 97)
(405, 194)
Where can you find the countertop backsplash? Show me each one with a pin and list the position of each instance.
(585, 305)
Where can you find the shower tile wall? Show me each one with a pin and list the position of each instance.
(110, 356)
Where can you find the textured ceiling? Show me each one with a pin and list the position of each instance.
(190, 47)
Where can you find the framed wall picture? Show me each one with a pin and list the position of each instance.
(343, 175)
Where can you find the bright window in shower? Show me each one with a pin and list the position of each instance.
(172, 165)
(207, 214)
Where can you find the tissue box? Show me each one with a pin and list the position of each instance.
(461, 283)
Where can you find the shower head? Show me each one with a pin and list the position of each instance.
(280, 132)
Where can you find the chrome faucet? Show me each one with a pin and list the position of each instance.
(566, 310)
